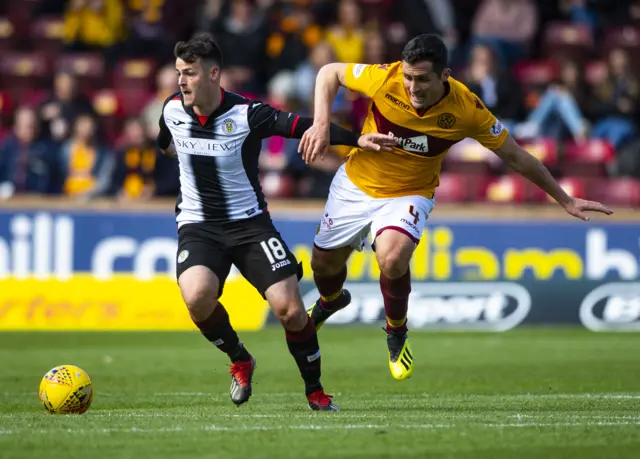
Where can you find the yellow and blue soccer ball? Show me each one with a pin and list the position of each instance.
(66, 389)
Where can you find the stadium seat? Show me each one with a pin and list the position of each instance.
(536, 73)
(618, 191)
(624, 37)
(469, 156)
(22, 72)
(574, 186)
(595, 71)
(588, 158)
(133, 101)
(455, 187)
(8, 36)
(277, 184)
(567, 39)
(47, 34)
(507, 189)
(544, 149)
(89, 67)
(134, 74)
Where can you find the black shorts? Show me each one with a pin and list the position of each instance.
(253, 245)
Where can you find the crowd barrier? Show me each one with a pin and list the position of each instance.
(69, 268)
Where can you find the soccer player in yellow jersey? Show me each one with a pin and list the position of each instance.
(391, 194)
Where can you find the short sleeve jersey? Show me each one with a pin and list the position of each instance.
(413, 167)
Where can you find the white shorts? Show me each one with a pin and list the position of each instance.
(350, 215)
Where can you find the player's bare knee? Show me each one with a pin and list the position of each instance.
(393, 263)
(199, 289)
(326, 263)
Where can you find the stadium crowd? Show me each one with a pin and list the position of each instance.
(82, 84)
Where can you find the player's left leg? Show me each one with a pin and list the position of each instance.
(268, 264)
(397, 229)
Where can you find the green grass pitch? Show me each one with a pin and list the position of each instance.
(528, 393)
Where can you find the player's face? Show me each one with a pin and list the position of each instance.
(424, 86)
(195, 81)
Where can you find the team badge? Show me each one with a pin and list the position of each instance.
(446, 120)
(183, 256)
(229, 126)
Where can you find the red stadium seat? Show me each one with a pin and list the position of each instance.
(573, 186)
(134, 74)
(469, 156)
(588, 158)
(595, 71)
(22, 72)
(133, 101)
(47, 34)
(546, 150)
(507, 189)
(455, 187)
(536, 73)
(89, 67)
(568, 39)
(619, 191)
(623, 37)
(8, 36)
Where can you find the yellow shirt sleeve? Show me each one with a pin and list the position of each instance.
(366, 79)
(486, 128)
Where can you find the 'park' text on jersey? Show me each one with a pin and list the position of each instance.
(218, 156)
(413, 167)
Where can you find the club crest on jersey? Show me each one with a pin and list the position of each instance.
(183, 256)
(229, 126)
(446, 120)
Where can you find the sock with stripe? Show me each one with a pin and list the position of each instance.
(330, 287)
(303, 346)
(395, 293)
(218, 330)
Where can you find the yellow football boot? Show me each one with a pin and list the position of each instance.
(400, 356)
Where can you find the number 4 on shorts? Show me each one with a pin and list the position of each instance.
(274, 250)
(415, 214)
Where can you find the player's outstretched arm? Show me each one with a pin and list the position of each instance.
(316, 139)
(529, 167)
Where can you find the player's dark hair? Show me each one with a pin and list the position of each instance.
(201, 47)
(427, 47)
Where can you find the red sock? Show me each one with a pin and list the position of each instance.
(330, 287)
(395, 293)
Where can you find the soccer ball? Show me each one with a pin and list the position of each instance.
(66, 389)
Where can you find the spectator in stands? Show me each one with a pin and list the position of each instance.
(166, 84)
(495, 85)
(562, 107)
(429, 16)
(134, 173)
(509, 24)
(615, 104)
(242, 37)
(297, 33)
(64, 105)
(93, 24)
(87, 165)
(28, 164)
(346, 37)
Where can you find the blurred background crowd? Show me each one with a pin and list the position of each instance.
(82, 84)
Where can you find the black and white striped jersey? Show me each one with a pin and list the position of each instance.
(218, 155)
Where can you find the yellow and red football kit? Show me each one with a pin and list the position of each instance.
(376, 190)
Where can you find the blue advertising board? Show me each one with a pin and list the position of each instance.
(466, 274)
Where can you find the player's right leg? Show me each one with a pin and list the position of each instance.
(344, 227)
(202, 269)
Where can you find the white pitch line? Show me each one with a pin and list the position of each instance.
(216, 428)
